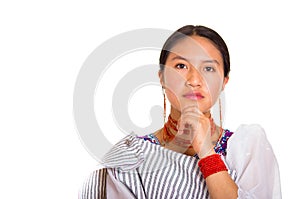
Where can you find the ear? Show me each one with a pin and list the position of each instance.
(226, 79)
(161, 78)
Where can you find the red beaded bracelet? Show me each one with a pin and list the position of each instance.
(211, 164)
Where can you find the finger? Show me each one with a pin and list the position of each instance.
(191, 108)
(191, 115)
(187, 125)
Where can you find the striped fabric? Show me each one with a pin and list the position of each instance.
(95, 186)
(151, 171)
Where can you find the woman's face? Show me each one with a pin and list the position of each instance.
(193, 74)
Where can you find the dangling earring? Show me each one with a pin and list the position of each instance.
(163, 92)
(220, 113)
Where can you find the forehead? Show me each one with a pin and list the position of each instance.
(196, 48)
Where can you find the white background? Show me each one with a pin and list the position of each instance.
(44, 44)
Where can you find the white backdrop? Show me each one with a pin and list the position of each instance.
(44, 44)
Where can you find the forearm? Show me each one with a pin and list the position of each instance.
(219, 183)
(221, 186)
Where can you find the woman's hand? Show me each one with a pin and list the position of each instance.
(195, 127)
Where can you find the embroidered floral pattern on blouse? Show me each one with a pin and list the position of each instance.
(151, 138)
(221, 146)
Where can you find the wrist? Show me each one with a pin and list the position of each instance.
(208, 152)
(211, 164)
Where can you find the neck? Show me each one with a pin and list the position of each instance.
(169, 131)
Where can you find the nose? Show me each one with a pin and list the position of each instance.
(194, 78)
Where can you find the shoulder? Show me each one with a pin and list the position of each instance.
(248, 142)
(127, 154)
(247, 138)
(249, 133)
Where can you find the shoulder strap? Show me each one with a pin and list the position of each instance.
(102, 183)
(95, 185)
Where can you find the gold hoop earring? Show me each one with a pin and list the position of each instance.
(165, 105)
(220, 114)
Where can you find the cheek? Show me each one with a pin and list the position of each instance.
(173, 81)
(214, 86)
(174, 84)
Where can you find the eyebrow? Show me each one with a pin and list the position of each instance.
(179, 57)
(204, 61)
(211, 61)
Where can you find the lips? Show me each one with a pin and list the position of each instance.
(193, 96)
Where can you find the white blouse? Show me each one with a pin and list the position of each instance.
(140, 169)
(250, 154)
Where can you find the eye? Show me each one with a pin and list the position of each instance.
(209, 69)
(181, 66)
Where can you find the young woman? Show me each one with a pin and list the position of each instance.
(190, 156)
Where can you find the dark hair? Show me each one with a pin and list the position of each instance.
(201, 31)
